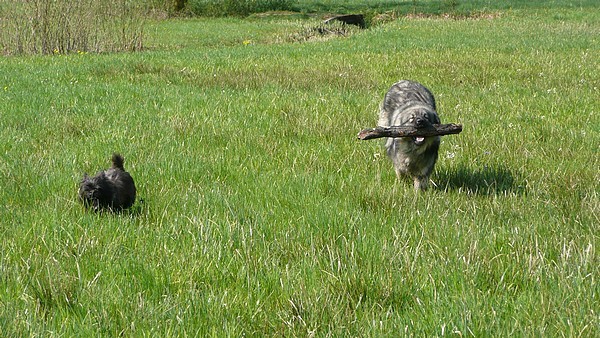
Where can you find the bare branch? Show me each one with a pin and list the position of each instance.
(437, 129)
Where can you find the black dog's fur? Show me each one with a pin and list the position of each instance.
(409, 103)
(111, 189)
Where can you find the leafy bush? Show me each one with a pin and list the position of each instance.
(236, 7)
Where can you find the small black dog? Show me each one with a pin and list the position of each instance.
(111, 189)
(409, 103)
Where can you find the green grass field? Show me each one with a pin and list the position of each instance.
(261, 214)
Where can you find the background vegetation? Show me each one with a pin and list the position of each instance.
(51, 26)
(236, 7)
(61, 26)
(260, 214)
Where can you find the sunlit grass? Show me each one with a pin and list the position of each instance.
(261, 214)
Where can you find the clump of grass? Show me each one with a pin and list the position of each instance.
(61, 26)
(323, 32)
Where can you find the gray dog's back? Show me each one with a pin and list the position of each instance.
(404, 95)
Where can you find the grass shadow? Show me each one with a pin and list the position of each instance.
(138, 208)
(480, 181)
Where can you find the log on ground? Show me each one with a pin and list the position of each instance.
(435, 130)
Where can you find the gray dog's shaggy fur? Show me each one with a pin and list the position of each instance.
(111, 189)
(409, 103)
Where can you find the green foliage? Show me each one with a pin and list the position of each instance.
(260, 212)
(433, 7)
(236, 7)
(371, 7)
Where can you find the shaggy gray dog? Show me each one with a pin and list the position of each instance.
(409, 103)
(111, 189)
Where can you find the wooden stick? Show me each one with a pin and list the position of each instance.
(437, 129)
